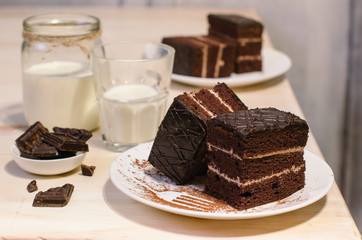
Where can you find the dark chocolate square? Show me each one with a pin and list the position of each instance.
(87, 170)
(65, 142)
(54, 197)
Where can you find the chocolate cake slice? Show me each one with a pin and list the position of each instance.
(179, 147)
(255, 156)
(246, 33)
(202, 56)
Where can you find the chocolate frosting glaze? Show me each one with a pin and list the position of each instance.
(257, 120)
(237, 19)
(179, 145)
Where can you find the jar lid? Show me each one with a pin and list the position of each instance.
(61, 25)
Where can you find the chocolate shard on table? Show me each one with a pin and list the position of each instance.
(54, 197)
(65, 142)
(81, 134)
(87, 170)
(179, 147)
(32, 187)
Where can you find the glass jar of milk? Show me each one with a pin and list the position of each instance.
(57, 76)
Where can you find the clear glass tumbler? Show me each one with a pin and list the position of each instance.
(132, 82)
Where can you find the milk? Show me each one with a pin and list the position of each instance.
(60, 93)
(131, 114)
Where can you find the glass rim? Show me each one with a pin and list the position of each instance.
(170, 51)
(61, 24)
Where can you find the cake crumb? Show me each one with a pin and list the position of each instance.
(32, 187)
(87, 170)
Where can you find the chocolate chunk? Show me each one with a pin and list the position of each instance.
(32, 186)
(87, 170)
(30, 143)
(54, 197)
(31, 136)
(65, 142)
(81, 134)
(40, 150)
(65, 154)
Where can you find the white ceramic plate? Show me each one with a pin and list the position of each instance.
(48, 166)
(275, 63)
(131, 173)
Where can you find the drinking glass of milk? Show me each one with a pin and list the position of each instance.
(132, 82)
(58, 85)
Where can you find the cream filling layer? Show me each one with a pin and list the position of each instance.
(244, 41)
(249, 58)
(232, 154)
(221, 101)
(219, 62)
(294, 169)
(204, 61)
(192, 96)
(204, 52)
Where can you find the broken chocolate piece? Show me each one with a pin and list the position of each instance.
(31, 136)
(32, 187)
(65, 142)
(87, 170)
(81, 134)
(30, 143)
(54, 197)
(40, 150)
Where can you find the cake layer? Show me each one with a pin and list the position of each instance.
(209, 103)
(253, 168)
(235, 26)
(266, 190)
(202, 56)
(248, 66)
(258, 131)
(244, 45)
(226, 54)
(229, 97)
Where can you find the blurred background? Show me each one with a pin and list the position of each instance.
(323, 38)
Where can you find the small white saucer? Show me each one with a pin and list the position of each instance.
(47, 166)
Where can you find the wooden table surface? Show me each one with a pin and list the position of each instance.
(97, 209)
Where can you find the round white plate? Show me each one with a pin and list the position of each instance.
(275, 63)
(131, 173)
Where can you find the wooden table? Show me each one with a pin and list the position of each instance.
(98, 210)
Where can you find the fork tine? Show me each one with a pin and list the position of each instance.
(193, 202)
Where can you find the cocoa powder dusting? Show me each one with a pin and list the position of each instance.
(162, 190)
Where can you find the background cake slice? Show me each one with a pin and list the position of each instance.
(203, 56)
(179, 147)
(246, 33)
(255, 156)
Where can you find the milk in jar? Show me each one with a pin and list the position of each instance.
(58, 87)
(60, 93)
